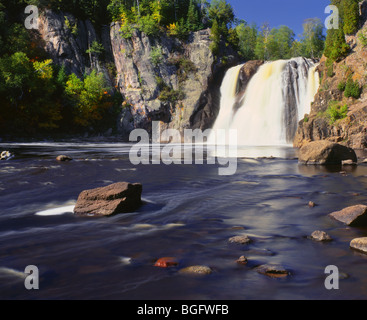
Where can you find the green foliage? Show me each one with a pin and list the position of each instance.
(312, 38)
(184, 68)
(96, 49)
(341, 86)
(335, 111)
(171, 95)
(156, 56)
(247, 36)
(335, 46)
(89, 97)
(330, 68)
(350, 16)
(352, 89)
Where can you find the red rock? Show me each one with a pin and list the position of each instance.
(166, 262)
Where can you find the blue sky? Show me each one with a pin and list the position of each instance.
(291, 13)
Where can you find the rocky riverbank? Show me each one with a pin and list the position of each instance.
(335, 116)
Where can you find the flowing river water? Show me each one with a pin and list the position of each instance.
(189, 213)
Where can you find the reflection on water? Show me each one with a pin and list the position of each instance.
(189, 213)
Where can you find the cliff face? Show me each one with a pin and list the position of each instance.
(351, 130)
(162, 79)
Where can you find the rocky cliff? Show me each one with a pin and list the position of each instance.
(162, 79)
(350, 128)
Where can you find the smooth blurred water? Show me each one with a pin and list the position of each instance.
(189, 212)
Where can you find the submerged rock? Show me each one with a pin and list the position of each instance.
(359, 244)
(240, 240)
(325, 152)
(242, 260)
(312, 204)
(321, 236)
(197, 270)
(273, 271)
(121, 197)
(354, 216)
(63, 158)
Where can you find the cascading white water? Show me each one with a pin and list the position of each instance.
(276, 98)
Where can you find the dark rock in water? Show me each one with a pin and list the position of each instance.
(197, 270)
(359, 244)
(240, 240)
(6, 155)
(320, 236)
(121, 197)
(273, 271)
(325, 152)
(355, 216)
(63, 158)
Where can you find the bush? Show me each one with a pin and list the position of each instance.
(341, 86)
(171, 95)
(330, 68)
(156, 56)
(352, 89)
(336, 112)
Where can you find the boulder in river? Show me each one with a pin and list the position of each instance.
(359, 244)
(355, 216)
(121, 197)
(325, 152)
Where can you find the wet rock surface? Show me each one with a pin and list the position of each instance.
(320, 236)
(197, 270)
(359, 244)
(121, 197)
(354, 216)
(325, 153)
(273, 271)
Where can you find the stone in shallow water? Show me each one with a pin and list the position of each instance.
(63, 158)
(166, 262)
(240, 240)
(242, 260)
(121, 197)
(197, 270)
(359, 244)
(354, 216)
(273, 271)
(320, 236)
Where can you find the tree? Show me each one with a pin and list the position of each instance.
(313, 38)
(350, 16)
(247, 36)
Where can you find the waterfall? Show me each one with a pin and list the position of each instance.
(276, 99)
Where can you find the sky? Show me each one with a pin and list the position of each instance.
(291, 13)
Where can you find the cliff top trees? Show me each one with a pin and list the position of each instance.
(335, 47)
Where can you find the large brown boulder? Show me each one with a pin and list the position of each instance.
(121, 197)
(325, 152)
(354, 216)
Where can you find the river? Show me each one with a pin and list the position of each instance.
(189, 213)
